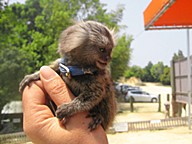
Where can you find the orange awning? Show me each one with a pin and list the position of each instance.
(168, 14)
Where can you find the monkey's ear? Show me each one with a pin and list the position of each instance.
(72, 38)
(114, 36)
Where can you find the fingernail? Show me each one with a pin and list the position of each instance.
(47, 73)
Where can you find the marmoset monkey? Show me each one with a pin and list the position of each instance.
(85, 50)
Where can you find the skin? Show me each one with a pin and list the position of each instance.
(42, 127)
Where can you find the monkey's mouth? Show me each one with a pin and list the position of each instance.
(101, 64)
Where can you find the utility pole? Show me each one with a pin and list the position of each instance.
(189, 80)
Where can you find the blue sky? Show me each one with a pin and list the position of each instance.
(152, 45)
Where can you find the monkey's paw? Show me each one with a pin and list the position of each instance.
(64, 111)
(27, 80)
(97, 119)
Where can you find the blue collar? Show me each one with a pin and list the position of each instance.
(70, 71)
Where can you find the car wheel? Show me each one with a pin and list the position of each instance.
(153, 100)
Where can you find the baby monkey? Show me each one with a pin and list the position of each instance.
(85, 50)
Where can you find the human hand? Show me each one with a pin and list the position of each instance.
(42, 127)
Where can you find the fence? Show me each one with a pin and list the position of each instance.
(14, 138)
(18, 138)
(151, 124)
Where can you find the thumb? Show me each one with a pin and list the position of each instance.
(55, 86)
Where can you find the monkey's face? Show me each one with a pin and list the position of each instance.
(104, 57)
(87, 44)
(95, 55)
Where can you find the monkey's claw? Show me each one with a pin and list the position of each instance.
(97, 119)
(63, 111)
(27, 80)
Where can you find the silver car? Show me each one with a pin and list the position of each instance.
(124, 88)
(140, 96)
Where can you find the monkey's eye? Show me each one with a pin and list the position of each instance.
(102, 49)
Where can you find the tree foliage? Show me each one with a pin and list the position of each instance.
(121, 57)
(134, 71)
(157, 70)
(165, 78)
(150, 73)
(29, 36)
(11, 57)
(147, 76)
(177, 56)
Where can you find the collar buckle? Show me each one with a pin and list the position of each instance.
(65, 70)
(70, 71)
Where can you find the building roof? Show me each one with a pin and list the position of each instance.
(12, 107)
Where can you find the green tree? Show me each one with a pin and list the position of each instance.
(178, 56)
(1, 5)
(53, 16)
(165, 77)
(147, 76)
(157, 70)
(29, 36)
(111, 19)
(11, 58)
(134, 71)
(121, 56)
(151, 73)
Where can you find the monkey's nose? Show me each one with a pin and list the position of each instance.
(108, 58)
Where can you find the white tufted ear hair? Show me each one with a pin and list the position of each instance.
(83, 32)
(114, 36)
(71, 38)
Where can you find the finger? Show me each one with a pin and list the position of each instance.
(34, 100)
(33, 94)
(55, 86)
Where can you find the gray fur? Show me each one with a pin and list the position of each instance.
(89, 45)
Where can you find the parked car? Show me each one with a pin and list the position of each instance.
(124, 88)
(140, 96)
